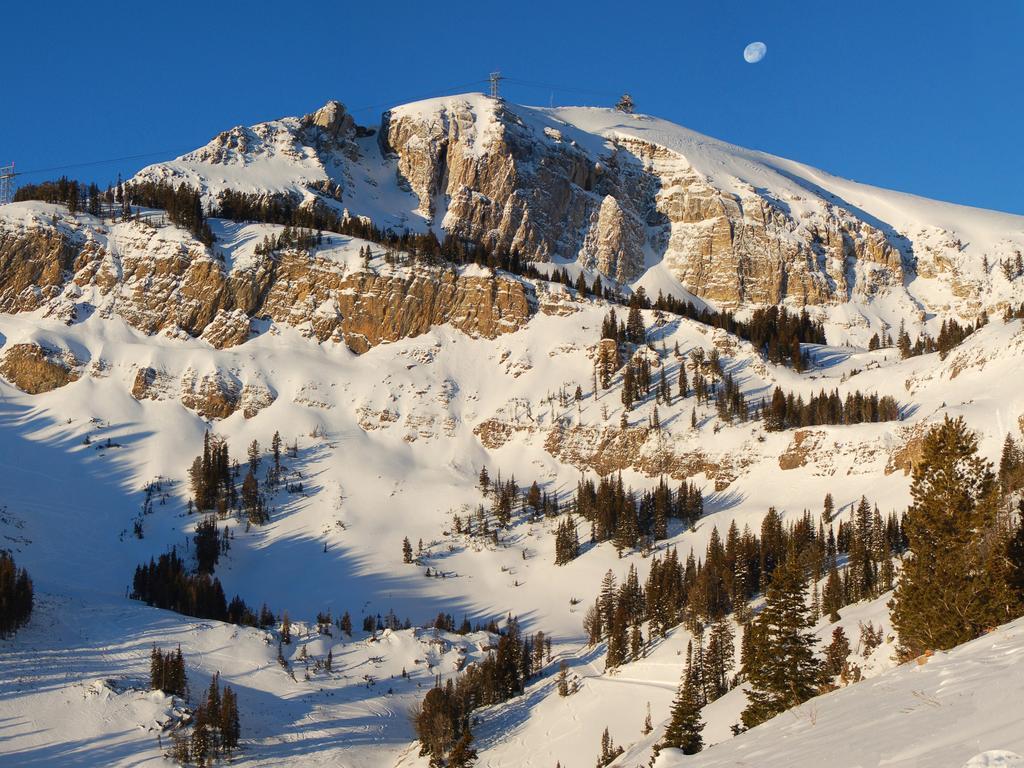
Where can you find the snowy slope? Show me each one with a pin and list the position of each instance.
(390, 444)
(957, 706)
(397, 460)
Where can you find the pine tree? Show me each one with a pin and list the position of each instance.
(1015, 559)
(275, 449)
(685, 726)
(462, 755)
(406, 550)
(608, 750)
(837, 653)
(684, 384)
(635, 331)
(563, 678)
(783, 671)
(230, 728)
(953, 584)
(718, 659)
(832, 596)
(829, 511)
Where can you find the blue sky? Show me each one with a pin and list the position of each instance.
(925, 97)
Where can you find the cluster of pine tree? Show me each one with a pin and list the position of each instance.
(209, 542)
(506, 499)
(213, 475)
(76, 195)
(702, 592)
(609, 750)
(183, 204)
(216, 728)
(950, 335)
(15, 595)
(567, 541)
(1013, 313)
(788, 411)
(869, 545)
(632, 331)
(290, 238)
(1012, 268)
(617, 618)
(615, 513)
(442, 722)
(776, 332)
(167, 672)
(165, 583)
(965, 570)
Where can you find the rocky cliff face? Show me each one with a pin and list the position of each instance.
(616, 194)
(526, 184)
(160, 280)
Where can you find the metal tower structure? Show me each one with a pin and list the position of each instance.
(495, 79)
(7, 175)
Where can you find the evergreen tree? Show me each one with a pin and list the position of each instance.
(685, 726)
(230, 728)
(953, 584)
(832, 597)
(563, 678)
(784, 671)
(462, 755)
(275, 449)
(829, 511)
(837, 653)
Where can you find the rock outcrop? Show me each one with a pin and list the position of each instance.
(535, 190)
(160, 280)
(33, 266)
(213, 395)
(35, 369)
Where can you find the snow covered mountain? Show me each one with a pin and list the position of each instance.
(636, 198)
(123, 338)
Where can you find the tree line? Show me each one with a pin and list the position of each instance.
(16, 595)
(786, 411)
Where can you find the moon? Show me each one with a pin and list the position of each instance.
(754, 52)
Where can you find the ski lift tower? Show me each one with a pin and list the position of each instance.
(495, 80)
(7, 175)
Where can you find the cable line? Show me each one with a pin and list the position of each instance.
(381, 105)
